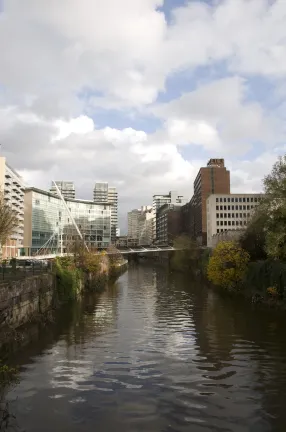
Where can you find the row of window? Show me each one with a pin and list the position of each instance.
(232, 215)
(231, 223)
(77, 206)
(237, 207)
(241, 199)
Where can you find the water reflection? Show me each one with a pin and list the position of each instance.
(156, 353)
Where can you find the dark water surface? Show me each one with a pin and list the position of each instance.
(155, 353)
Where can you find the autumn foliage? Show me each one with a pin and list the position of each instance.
(227, 265)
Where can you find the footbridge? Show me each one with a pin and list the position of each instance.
(122, 251)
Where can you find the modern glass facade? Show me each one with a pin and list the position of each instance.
(47, 217)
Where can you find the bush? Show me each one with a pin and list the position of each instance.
(227, 266)
(68, 278)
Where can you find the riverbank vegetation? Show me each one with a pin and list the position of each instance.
(86, 270)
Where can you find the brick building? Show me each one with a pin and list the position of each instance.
(212, 179)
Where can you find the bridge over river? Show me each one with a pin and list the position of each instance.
(123, 251)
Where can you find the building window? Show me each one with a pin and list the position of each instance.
(217, 223)
(220, 200)
(228, 200)
(247, 199)
(236, 199)
(244, 207)
(232, 199)
(217, 215)
(232, 215)
(243, 199)
(221, 207)
(233, 222)
(217, 207)
(224, 200)
(37, 202)
(224, 207)
(251, 199)
(247, 207)
(221, 223)
(217, 230)
(229, 222)
(228, 207)
(221, 215)
(225, 215)
(229, 215)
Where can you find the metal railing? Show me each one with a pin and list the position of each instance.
(23, 270)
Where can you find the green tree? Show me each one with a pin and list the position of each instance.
(227, 265)
(253, 240)
(274, 206)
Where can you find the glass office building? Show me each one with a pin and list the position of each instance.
(47, 220)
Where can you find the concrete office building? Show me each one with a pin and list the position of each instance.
(103, 193)
(228, 212)
(140, 225)
(47, 220)
(159, 200)
(66, 187)
(132, 221)
(145, 227)
(169, 223)
(212, 179)
(12, 187)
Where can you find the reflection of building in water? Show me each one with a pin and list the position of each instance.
(46, 216)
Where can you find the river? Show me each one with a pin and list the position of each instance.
(154, 353)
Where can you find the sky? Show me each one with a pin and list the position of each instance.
(141, 93)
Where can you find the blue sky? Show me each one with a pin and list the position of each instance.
(142, 95)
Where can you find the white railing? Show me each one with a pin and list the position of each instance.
(123, 252)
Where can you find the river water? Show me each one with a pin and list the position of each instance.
(155, 353)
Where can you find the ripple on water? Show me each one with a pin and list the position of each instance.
(157, 355)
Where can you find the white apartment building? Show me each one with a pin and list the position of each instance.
(145, 227)
(132, 220)
(103, 193)
(228, 212)
(140, 225)
(13, 189)
(66, 187)
(159, 200)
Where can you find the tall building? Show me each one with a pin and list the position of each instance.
(47, 222)
(12, 187)
(159, 200)
(103, 193)
(212, 179)
(229, 212)
(66, 187)
(140, 225)
(169, 223)
(100, 192)
(145, 227)
(132, 220)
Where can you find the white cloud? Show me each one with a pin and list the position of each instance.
(218, 117)
(62, 62)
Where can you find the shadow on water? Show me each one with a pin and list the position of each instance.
(155, 352)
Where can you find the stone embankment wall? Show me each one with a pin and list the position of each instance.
(21, 300)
